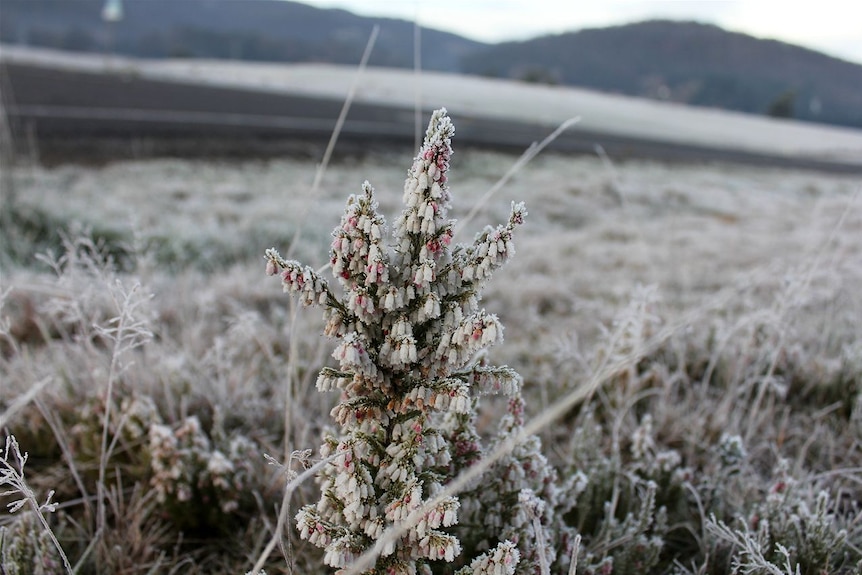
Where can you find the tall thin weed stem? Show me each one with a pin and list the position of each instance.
(12, 475)
(336, 132)
(315, 187)
(525, 158)
(289, 488)
(61, 437)
(126, 333)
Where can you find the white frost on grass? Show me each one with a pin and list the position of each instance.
(770, 237)
(593, 234)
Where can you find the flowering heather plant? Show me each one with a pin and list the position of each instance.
(410, 329)
(201, 483)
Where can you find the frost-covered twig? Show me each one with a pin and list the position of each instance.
(12, 479)
(127, 331)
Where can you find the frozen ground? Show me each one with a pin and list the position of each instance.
(595, 230)
(752, 274)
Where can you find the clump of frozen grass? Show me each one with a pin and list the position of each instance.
(795, 530)
(27, 545)
(410, 331)
(628, 497)
(104, 399)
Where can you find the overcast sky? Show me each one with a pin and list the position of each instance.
(830, 26)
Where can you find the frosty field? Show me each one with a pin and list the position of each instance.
(716, 309)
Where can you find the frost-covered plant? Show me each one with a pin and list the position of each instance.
(130, 425)
(409, 327)
(26, 549)
(794, 530)
(624, 499)
(201, 485)
(29, 544)
(522, 499)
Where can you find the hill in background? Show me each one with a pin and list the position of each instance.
(690, 63)
(684, 62)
